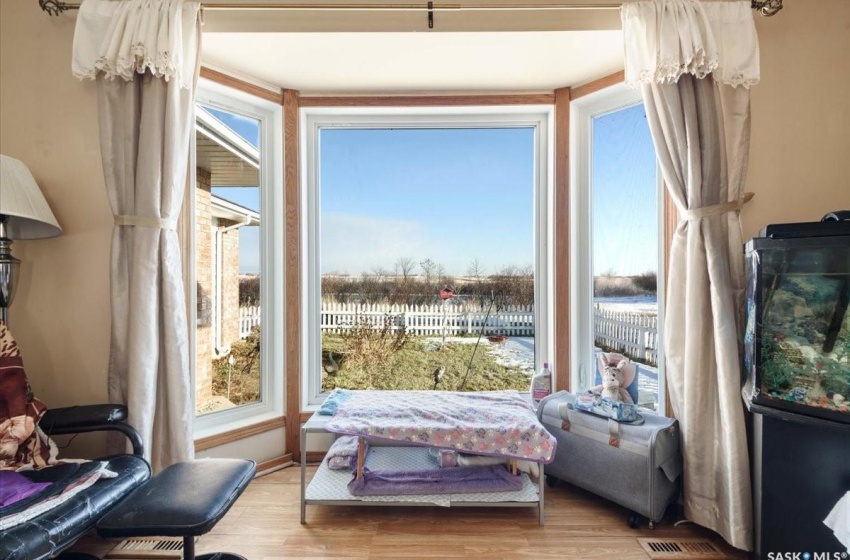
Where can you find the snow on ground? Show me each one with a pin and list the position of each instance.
(433, 343)
(641, 304)
(518, 351)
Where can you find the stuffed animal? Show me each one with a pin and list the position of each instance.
(613, 383)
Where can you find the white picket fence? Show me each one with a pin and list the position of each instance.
(635, 333)
(631, 332)
(249, 317)
(430, 319)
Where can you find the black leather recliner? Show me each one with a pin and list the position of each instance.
(56, 530)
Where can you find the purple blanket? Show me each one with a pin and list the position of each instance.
(456, 480)
(14, 487)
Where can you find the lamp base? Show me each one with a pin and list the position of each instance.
(9, 270)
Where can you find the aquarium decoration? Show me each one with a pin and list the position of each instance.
(797, 336)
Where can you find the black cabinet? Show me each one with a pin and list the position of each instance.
(797, 387)
(801, 468)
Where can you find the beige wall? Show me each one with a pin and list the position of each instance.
(48, 120)
(800, 155)
(800, 168)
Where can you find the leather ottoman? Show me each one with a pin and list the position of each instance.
(185, 500)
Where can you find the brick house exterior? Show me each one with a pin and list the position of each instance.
(215, 230)
(203, 277)
(224, 159)
(230, 283)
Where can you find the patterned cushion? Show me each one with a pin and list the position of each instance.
(8, 346)
(22, 443)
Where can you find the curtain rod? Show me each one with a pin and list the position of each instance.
(56, 7)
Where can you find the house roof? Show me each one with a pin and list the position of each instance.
(226, 210)
(230, 160)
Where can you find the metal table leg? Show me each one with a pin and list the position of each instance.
(540, 486)
(303, 475)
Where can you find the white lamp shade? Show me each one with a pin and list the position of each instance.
(28, 215)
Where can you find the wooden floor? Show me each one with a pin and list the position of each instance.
(264, 525)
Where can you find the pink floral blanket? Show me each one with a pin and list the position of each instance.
(497, 423)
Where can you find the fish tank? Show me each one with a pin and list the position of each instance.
(797, 334)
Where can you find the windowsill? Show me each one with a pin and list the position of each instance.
(255, 424)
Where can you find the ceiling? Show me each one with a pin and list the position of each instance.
(367, 63)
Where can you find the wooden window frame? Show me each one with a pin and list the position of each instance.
(263, 425)
(292, 102)
(560, 186)
(670, 215)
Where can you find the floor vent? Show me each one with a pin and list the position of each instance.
(143, 548)
(685, 549)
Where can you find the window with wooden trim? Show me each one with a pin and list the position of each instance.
(426, 248)
(618, 243)
(236, 251)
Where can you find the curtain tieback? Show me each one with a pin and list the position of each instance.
(717, 209)
(146, 221)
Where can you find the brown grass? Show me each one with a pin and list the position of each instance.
(245, 373)
(412, 368)
(364, 345)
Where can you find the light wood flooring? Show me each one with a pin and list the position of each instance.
(264, 525)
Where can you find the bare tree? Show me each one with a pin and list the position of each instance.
(404, 267)
(512, 285)
(371, 288)
(524, 294)
(508, 285)
(441, 274)
(340, 288)
(249, 290)
(476, 270)
(429, 269)
(380, 273)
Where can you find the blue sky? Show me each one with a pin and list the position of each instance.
(624, 194)
(454, 195)
(449, 195)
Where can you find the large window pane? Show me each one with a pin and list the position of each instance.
(405, 215)
(624, 222)
(228, 264)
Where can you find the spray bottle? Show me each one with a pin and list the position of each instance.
(541, 384)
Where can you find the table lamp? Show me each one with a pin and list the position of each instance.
(24, 214)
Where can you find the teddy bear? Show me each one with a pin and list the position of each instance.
(613, 383)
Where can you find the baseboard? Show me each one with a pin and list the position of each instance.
(315, 456)
(272, 465)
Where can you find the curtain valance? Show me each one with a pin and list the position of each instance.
(121, 38)
(665, 39)
(143, 57)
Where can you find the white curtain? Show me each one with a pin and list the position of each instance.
(694, 62)
(143, 54)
